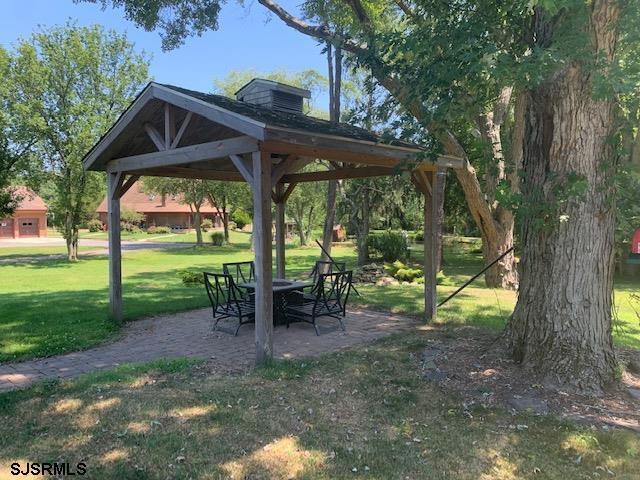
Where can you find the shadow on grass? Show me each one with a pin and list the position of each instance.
(362, 412)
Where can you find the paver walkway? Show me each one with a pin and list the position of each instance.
(189, 334)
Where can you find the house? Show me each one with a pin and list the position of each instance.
(28, 220)
(161, 210)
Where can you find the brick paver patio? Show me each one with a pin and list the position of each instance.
(189, 334)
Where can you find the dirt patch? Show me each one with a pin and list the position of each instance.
(469, 364)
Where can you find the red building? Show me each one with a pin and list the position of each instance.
(160, 210)
(29, 219)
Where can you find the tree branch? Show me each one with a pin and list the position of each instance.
(321, 32)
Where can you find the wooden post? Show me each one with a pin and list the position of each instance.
(280, 230)
(430, 242)
(262, 241)
(114, 183)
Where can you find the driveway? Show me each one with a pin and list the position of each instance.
(101, 247)
(87, 242)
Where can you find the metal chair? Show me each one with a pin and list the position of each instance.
(242, 272)
(320, 267)
(227, 300)
(331, 293)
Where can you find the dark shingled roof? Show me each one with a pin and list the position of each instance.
(295, 121)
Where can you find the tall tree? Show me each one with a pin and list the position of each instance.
(227, 198)
(561, 326)
(191, 192)
(334, 69)
(68, 85)
(438, 59)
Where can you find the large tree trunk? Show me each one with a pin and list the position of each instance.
(363, 230)
(197, 225)
(561, 326)
(335, 91)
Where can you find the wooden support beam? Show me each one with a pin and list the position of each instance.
(183, 155)
(337, 174)
(155, 136)
(128, 184)
(181, 172)
(280, 230)
(430, 241)
(181, 130)
(279, 170)
(169, 126)
(247, 170)
(288, 191)
(261, 187)
(114, 185)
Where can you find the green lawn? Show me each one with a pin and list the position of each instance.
(53, 306)
(364, 413)
(188, 237)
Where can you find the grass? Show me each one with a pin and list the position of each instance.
(53, 306)
(364, 413)
(187, 237)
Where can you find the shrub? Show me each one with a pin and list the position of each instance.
(408, 274)
(158, 230)
(419, 236)
(390, 245)
(130, 227)
(206, 225)
(190, 277)
(95, 225)
(241, 218)
(128, 215)
(217, 238)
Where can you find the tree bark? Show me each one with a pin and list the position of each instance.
(363, 231)
(561, 326)
(197, 225)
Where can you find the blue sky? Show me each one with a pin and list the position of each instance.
(248, 38)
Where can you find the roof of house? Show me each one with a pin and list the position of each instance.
(140, 201)
(30, 201)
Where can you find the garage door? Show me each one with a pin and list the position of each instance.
(28, 227)
(6, 228)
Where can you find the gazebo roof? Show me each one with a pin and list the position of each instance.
(173, 131)
(296, 121)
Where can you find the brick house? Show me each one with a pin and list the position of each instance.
(160, 210)
(29, 219)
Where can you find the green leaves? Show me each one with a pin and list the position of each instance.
(67, 85)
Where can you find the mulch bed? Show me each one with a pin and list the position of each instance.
(467, 362)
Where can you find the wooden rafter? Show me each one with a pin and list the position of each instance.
(184, 155)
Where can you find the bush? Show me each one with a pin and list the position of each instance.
(130, 227)
(95, 225)
(419, 237)
(391, 246)
(128, 215)
(241, 218)
(217, 238)
(190, 277)
(158, 230)
(206, 225)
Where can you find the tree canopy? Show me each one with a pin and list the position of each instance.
(68, 85)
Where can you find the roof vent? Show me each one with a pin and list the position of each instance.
(273, 95)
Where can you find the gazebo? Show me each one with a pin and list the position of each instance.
(261, 138)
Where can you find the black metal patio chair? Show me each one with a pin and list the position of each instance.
(242, 272)
(320, 267)
(227, 300)
(330, 296)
